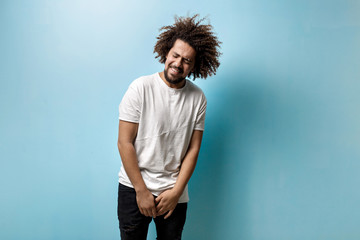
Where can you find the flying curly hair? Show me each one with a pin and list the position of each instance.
(198, 36)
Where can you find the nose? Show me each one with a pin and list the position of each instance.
(177, 62)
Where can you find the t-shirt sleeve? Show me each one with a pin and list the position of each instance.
(200, 118)
(130, 106)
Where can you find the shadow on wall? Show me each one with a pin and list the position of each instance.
(219, 186)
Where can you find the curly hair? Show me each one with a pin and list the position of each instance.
(198, 36)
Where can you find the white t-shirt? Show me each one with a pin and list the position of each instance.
(167, 118)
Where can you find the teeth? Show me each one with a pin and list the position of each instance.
(175, 70)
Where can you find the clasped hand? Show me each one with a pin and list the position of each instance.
(164, 203)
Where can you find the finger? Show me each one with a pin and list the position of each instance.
(158, 208)
(157, 199)
(161, 212)
(154, 213)
(141, 211)
(148, 213)
(144, 212)
(169, 214)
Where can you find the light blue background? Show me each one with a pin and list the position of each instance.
(280, 157)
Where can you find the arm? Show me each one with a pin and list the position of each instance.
(126, 137)
(167, 200)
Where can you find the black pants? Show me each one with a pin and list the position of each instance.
(134, 226)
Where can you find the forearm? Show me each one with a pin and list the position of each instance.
(131, 166)
(144, 198)
(186, 170)
(167, 200)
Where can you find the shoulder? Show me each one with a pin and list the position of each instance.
(143, 81)
(195, 90)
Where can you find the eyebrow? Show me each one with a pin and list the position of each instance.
(187, 59)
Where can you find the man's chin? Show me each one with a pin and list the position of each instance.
(173, 80)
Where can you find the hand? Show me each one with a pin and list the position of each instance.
(166, 203)
(146, 203)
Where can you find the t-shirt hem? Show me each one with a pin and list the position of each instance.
(128, 120)
(184, 200)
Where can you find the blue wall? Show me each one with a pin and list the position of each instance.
(281, 151)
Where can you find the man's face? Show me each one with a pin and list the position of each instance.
(180, 62)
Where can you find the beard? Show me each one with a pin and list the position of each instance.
(172, 81)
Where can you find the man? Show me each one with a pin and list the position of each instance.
(160, 130)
